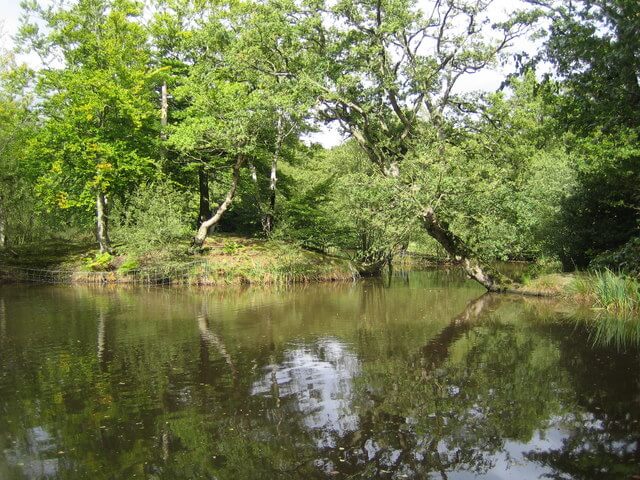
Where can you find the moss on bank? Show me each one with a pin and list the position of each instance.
(225, 260)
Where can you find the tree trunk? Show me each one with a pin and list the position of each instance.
(269, 218)
(461, 253)
(102, 223)
(203, 189)
(164, 107)
(254, 179)
(200, 237)
(3, 225)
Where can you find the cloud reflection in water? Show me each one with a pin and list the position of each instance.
(316, 381)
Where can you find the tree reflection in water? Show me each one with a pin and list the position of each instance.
(367, 382)
(483, 397)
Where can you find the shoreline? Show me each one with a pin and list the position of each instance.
(225, 260)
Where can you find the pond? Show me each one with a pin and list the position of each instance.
(417, 376)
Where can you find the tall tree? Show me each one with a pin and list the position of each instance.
(97, 103)
(595, 48)
(16, 126)
(243, 110)
(174, 51)
(387, 71)
(266, 52)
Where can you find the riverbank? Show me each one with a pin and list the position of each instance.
(225, 260)
(233, 260)
(601, 289)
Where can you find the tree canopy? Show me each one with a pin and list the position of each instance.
(212, 106)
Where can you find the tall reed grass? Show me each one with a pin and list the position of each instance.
(610, 291)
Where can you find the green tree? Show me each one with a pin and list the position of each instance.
(267, 52)
(387, 72)
(342, 203)
(243, 109)
(512, 175)
(595, 48)
(96, 102)
(17, 125)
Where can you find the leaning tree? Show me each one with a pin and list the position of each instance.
(387, 71)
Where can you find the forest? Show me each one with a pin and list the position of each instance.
(149, 129)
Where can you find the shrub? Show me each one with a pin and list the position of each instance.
(155, 218)
(231, 247)
(129, 265)
(542, 266)
(616, 292)
(625, 258)
(100, 262)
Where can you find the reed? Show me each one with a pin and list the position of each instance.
(609, 291)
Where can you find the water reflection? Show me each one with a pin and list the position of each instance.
(419, 378)
(31, 455)
(315, 381)
(213, 342)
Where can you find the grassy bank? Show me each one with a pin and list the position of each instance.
(225, 260)
(237, 260)
(605, 290)
(609, 291)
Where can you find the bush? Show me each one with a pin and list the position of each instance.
(542, 266)
(155, 218)
(101, 262)
(625, 258)
(610, 291)
(616, 292)
(129, 265)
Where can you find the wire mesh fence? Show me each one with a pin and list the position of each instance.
(192, 272)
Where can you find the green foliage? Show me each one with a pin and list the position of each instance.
(97, 105)
(594, 46)
(538, 169)
(625, 258)
(542, 266)
(155, 218)
(19, 219)
(231, 247)
(129, 265)
(500, 178)
(601, 211)
(611, 291)
(304, 217)
(342, 203)
(100, 262)
(616, 292)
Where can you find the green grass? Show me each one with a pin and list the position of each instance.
(552, 284)
(238, 260)
(609, 291)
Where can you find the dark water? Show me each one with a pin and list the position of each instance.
(422, 378)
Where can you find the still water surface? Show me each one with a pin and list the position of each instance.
(421, 377)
